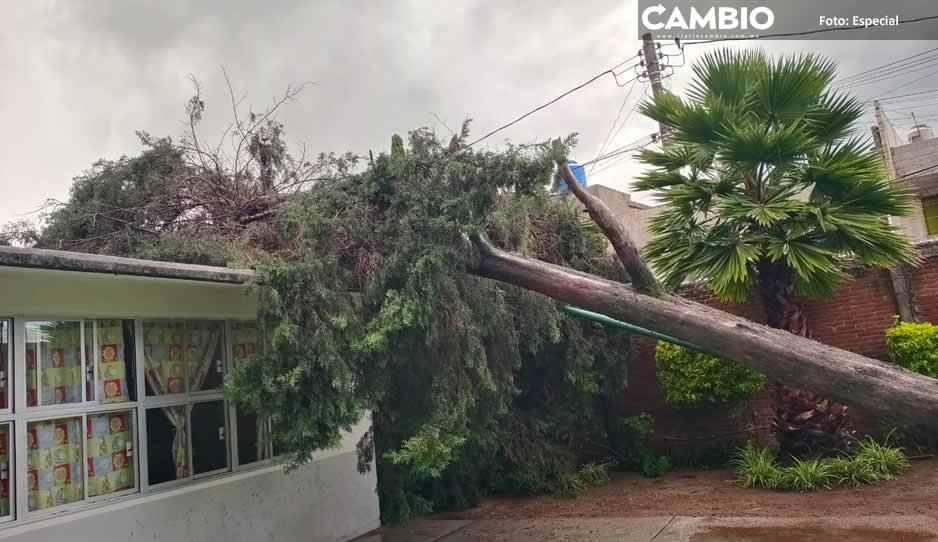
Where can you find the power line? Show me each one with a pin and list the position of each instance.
(926, 76)
(923, 64)
(890, 65)
(897, 98)
(612, 128)
(610, 71)
(822, 30)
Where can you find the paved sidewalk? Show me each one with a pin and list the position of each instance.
(912, 528)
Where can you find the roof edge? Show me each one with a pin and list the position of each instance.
(60, 260)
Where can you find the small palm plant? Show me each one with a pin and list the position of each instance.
(767, 185)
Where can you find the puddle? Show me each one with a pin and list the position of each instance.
(787, 534)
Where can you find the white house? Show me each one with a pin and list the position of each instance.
(113, 426)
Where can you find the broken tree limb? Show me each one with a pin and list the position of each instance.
(896, 395)
(642, 278)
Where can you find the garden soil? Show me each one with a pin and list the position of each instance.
(713, 493)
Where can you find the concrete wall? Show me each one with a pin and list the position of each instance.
(915, 156)
(327, 500)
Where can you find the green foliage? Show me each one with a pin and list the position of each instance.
(756, 467)
(886, 461)
(654, 465)
(476, 386)
(914, 346)
(692, 379)
(594, 474)
(870, 462)
(752, 136)
(805, 475)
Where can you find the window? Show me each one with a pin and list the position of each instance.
(187, 435)
(86, 392)
(54, 462)
(5, 452)
(930, 211)
(254, 443)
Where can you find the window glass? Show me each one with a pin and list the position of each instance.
(5, 472)
(5, 351)
(167, 448)
(54, 462)
(110, 453)
(173, 349)
(253, 432)
(53, 363)
(204, 361)
(253, 438)
(930, 210)
(209, 437)
(163, 357)
(115, 359)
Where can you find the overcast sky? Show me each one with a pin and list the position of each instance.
(78, 78)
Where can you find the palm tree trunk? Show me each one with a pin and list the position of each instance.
(805, 424)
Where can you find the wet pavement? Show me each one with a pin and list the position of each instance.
(908, 528)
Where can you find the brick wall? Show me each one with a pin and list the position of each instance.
(856, 319)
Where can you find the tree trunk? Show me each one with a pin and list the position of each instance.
(805, 425)
(898, 396)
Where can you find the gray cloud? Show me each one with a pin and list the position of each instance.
(81, 77)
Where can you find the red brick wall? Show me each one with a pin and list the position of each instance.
(856, 319)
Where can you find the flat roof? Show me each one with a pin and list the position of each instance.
(60, 260)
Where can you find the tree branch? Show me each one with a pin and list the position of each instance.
(642, 278)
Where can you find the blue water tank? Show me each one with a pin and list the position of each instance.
(578, 171)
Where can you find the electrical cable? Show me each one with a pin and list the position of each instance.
(789, 34)
(555, 100)
(612, 128)
(890, 65)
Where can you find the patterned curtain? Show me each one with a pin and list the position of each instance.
(53, 462)
(171, 350)
(112, 368)
(110, 463)
(54, 348)
(5, 466)
(245, 343)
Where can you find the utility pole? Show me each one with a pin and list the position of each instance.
(882, 137)
(653, 70)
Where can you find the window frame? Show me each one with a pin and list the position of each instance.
(18, 417)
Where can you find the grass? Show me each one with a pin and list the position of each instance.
(870, 462)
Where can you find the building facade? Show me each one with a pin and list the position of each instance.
(113, 424)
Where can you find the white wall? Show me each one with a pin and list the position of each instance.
(327, 500)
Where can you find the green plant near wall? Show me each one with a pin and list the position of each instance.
(914, 346)
(694, 379)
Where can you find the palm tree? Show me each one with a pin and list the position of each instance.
(768, 186)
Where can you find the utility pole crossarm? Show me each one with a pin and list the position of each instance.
(653, 70)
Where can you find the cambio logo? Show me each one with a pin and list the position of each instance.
(715, 18)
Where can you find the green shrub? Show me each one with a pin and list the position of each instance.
(870, 462)
(851, 471)
(805, 475)
(594, 474)
(692, 379)
(914, 346)
(885, 460)
(569, 487)
(654, 465)
(756, 467)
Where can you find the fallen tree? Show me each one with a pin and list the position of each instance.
(894, 394)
